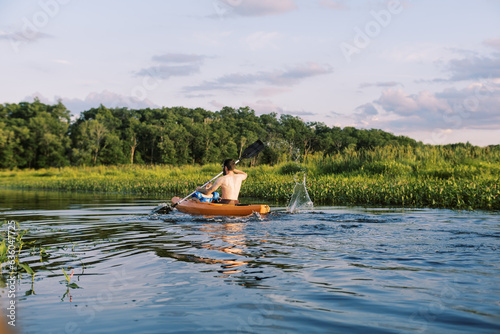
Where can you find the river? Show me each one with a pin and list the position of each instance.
(325, 270)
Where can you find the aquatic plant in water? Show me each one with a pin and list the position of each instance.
(69, 285)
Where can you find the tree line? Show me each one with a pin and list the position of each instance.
(37, 135)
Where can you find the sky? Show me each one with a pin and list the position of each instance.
(427, 69)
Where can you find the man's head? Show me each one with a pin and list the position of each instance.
(228, 165)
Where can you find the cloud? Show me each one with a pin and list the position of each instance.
(380, 84)
(173, 64)
(268, 106)
(367, 110)
(471, 66)
(94, 100)
(300, 113)
(287, 77)
(199, 96)
(23, 36)
(474, 67)
(179, 58)
(253, 7)
(211, 86)
(493, 43)
(265, 107)
(402, 104)
(167, 71)
(473, 107)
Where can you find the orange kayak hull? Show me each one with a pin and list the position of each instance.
(216, 209)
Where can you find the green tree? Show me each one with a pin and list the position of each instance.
(34, 135)
(89, 140)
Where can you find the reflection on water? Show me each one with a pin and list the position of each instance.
(327, 270)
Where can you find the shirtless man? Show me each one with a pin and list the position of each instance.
(230, 183)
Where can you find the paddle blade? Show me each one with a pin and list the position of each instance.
(253, 150)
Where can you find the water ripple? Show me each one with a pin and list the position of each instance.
(325, 270)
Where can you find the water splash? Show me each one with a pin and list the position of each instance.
(300, 198)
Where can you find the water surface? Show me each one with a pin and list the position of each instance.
(327, 270)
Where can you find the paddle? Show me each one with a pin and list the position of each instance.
(248, 153)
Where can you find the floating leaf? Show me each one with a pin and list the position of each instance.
(27, 268)
(65, 275)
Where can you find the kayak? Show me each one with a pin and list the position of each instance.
(217, 209)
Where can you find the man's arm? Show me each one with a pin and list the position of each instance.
(210, 190)
(237, 171)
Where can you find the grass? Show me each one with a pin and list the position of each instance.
(456, 178)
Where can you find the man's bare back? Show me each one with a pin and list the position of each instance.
(230, 184)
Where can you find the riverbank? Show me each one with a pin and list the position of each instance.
(384, 184)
